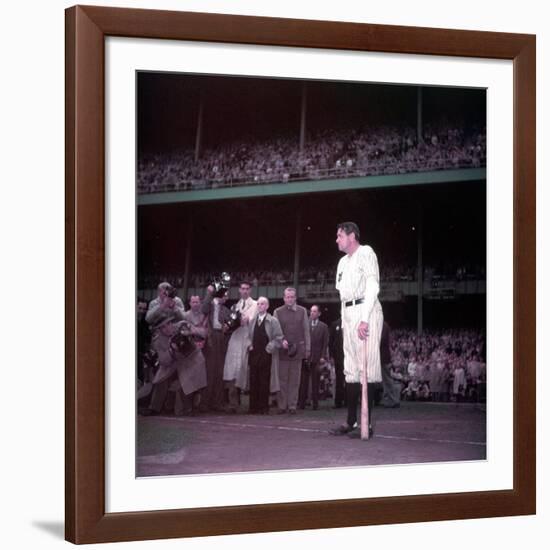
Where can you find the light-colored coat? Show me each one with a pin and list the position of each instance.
(275, 336)
(155, 312)
(237, 350)
(190, 369)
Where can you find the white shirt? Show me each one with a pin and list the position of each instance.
(247, 307)
(261, 318)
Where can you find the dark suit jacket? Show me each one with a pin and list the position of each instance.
(336, 341)
(208, 309)
(319, 341)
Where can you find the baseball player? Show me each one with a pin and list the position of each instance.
(358, 281)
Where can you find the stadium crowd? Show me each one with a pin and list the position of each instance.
(322, 275)
(447, 365)
(377, 150)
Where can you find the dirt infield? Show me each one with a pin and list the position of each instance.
(215, 443)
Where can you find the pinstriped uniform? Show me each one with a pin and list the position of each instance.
(357, 277)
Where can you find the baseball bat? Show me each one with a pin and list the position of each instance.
(364, 398)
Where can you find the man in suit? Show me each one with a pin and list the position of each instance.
(296, 346)
(265, 338)
(311, 370)
(336, 350)
(215, 349)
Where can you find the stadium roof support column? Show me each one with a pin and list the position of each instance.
(189, 240)
(297, 243)
(420, 273)
(198, 137)
(419, 131)
(303, 113)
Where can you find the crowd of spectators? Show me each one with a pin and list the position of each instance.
(440, 366)
(321, 275)
(379, 150)
(256, 277)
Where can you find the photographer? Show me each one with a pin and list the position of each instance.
(181, 368)
(166, 301)
(218, 314)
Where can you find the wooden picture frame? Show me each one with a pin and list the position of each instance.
(86, 30)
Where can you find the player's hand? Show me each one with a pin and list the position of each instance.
(285, 344)
(363, 330)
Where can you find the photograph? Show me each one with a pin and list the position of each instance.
(310, 274)
(291, 259)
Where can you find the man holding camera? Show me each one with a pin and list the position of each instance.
(213, 306)
(296, 346)
(181, 368)
(166, 301)
(163, 315)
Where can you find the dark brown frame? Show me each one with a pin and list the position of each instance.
(86, 29)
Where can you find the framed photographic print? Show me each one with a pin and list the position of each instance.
(300, 265)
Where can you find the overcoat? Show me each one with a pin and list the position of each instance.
(275, 336)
